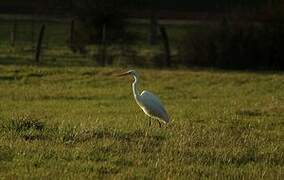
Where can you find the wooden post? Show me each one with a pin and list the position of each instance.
(71, 40)
(33, 32)
(39, 43)
(166, 45)
(13, 33)
(104, 46)
(153, 29)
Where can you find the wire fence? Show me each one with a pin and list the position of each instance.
(19, 40)
(17, 32)
(23, 35)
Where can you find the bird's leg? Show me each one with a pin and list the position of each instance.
(149, 122)
(160, 124)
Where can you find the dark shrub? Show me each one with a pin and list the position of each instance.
(101, 22)
(236, 45)
(93, 16)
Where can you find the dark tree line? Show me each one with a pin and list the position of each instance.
(237, 42)
(65, 6)
(200, 5)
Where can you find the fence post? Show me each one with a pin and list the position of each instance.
(167, 49)
(13, 33)
(153, 30)
(39, 43)
(104, 46)
(33, 31)
(71, 37)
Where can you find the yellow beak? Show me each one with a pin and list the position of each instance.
(123, 74)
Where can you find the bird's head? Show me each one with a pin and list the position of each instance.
(130, 72)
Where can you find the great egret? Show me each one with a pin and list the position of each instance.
(148, 102)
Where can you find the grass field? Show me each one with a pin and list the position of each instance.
(82, 122)
(66, 118)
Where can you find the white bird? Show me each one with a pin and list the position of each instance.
(148, 102)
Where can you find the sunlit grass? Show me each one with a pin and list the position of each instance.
(82, 122)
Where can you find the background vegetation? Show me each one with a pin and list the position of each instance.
(242, 45)
(189, 5)
(244, 38)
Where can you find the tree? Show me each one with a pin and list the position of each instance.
(95, 15)
(100, 22)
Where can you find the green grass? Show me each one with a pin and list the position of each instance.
(82, 122)
(66, 118)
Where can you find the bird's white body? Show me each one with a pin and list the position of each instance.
(148, 102)
(152, 106)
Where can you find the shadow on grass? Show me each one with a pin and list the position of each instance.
(26, 128)
(16, 76)
(46, 62)
(30, 128)
(249, 112)
(67, 98)
(81, 61)
(6, 153)
(12, 60)
(8, 78)
(121, 136)
(112, 147)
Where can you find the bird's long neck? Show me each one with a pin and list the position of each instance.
(135, 90)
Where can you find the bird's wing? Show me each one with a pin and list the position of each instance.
(153, 105)
(150, 97)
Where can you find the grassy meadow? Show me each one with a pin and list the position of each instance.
(82, 122)
(67, 118)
